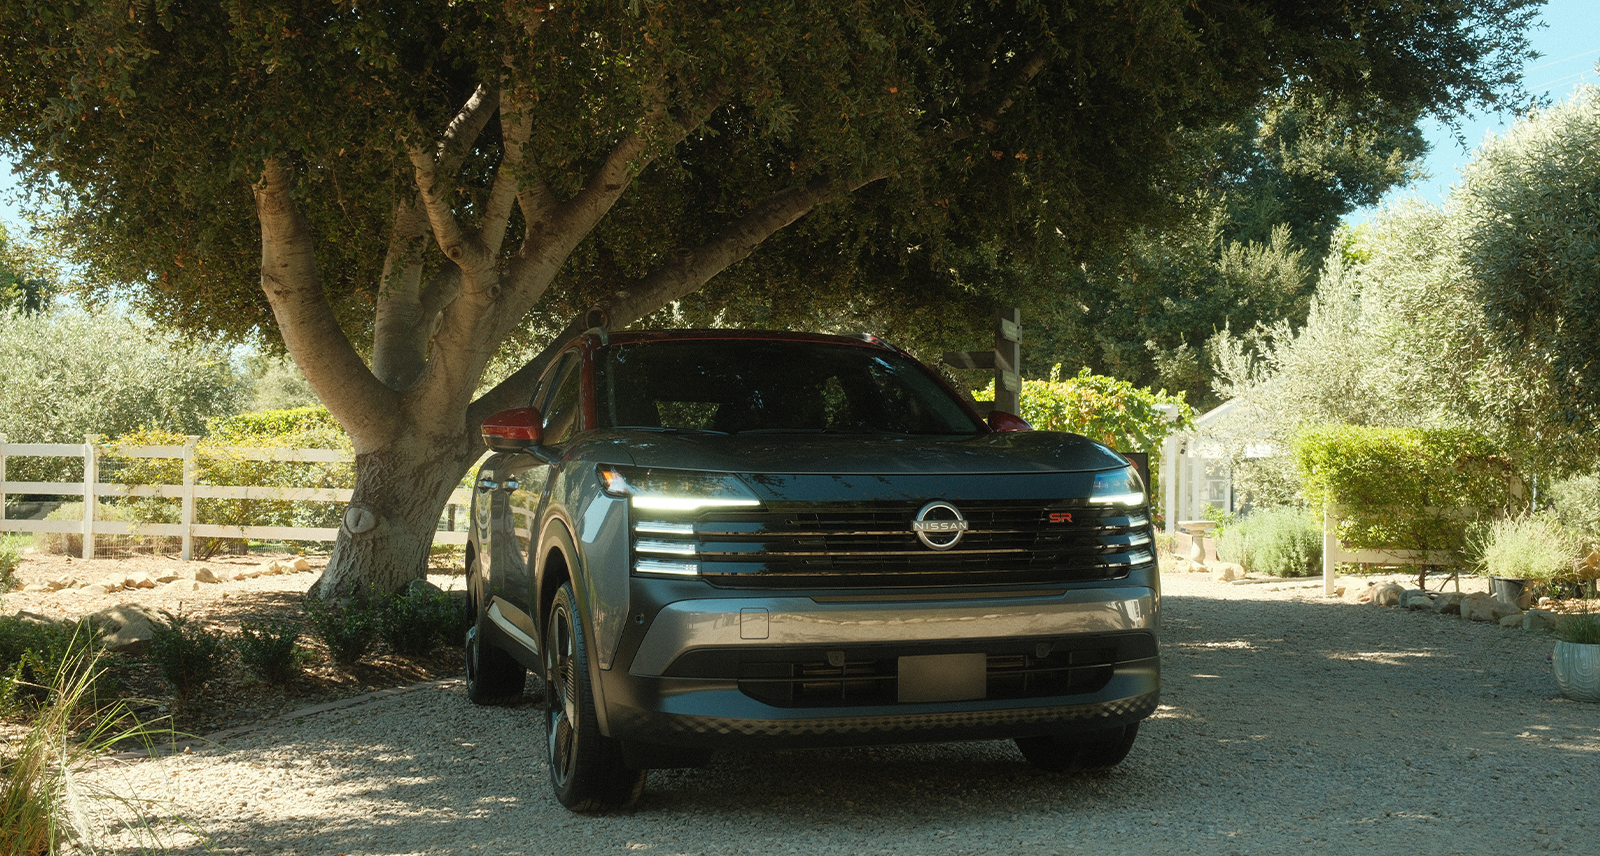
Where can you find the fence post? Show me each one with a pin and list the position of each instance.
(2, 478)
(188, 496)
(91, 480)
(1330, 541)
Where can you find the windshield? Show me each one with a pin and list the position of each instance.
(741, 386)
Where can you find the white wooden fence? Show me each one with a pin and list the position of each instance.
(1334, 553)
(91, 489)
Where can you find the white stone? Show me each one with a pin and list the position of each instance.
(1479, 606)
(1387, 595)
(1514, 620)
(37, 587)
(1227, 572)
(181, 586)
(96, 588)
(140, 580)
(301, 565)
(1416, 599)
(1448, 603)
(203, 575)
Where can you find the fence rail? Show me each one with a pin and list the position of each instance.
(1335, 553)
(91, 489)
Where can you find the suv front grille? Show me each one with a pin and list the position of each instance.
(868, 545)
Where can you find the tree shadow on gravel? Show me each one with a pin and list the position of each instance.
(1275, 716)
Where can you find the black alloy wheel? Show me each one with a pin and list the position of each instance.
(1090, 752)
(493, 676)
(586, 767)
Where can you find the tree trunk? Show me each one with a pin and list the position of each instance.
(387, 531)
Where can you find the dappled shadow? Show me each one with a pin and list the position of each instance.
(1277, 718)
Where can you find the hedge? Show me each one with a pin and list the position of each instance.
(1403, 488)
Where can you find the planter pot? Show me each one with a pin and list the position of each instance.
(1506, 589)
(1577, 670)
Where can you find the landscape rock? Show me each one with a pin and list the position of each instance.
(181, 586)
(60, 583)
(168, 577)
(140, 580)
(127, 627)
(1539, 619)
(1448, 603)
(204, 575)
(1479, 606)
(1513, 620)
(1387, 595)
(34, 618)
(97, 588)
(1227, 572)
(300, 564)
(1416, 599)
(37, 587)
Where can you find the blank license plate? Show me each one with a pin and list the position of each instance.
(943, 677)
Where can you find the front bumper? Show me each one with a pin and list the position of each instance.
(822, 670)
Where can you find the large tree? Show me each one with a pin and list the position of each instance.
(415, 175)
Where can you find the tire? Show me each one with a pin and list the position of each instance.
(587, 770)
(1091, 752)
(493, 676)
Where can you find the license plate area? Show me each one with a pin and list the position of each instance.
(943, 677)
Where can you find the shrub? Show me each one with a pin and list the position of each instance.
(1525, 547)
(1402, 487)
(347, 629)
(187, 655)
(420, 620)
(71, 543)
(1582, 628)
(1575, 501)
(10, 557)
(1283, 542)
(32, 652)
(270, 649)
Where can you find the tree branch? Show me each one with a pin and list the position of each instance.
(734, 243)
(464, 128)
(516, 123)
(289, 278)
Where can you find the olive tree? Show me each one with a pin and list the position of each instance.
(391, 188)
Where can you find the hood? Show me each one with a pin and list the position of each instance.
(852, 454)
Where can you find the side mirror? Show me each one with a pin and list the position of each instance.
(1001, 422)
(516, 430)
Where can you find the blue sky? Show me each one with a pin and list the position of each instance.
(1569, 45)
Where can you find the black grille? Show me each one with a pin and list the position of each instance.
(857, 545)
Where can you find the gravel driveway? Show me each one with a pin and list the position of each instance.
(1291, 724)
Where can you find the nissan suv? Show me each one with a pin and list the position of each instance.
(703, 539)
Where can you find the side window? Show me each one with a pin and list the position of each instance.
(547, 383)
(561, 415)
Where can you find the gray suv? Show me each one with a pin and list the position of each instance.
(707, 539)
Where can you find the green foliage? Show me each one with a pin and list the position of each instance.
(1526, 211)
(420, 620)
(1581, 628)
(1403, 488)
(1003, 125)
(1575, 501)
(219, 461)
(188, 656)
(1525, 547)
(65, 373)
(32, 652)
(1283, 542)
(10, 557)
(347, 629)
(20, 289)
(125, 511)
(270, 649)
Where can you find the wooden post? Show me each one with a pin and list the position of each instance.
(91, 481)
(2, 478)
(1007, 360)
(187, 517)
(1169, 484)
(1330, 543)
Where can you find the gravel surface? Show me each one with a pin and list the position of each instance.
(1291, 724)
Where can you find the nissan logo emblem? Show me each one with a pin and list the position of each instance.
(939, 525)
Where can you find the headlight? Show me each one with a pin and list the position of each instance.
(1117, 487)
(675, 490)
(664, 543)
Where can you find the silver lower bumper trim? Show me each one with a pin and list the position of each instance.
(690, 624)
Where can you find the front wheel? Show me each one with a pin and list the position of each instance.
(587, 769)
(1090, 752)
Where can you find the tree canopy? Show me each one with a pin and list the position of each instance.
(407, 180)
